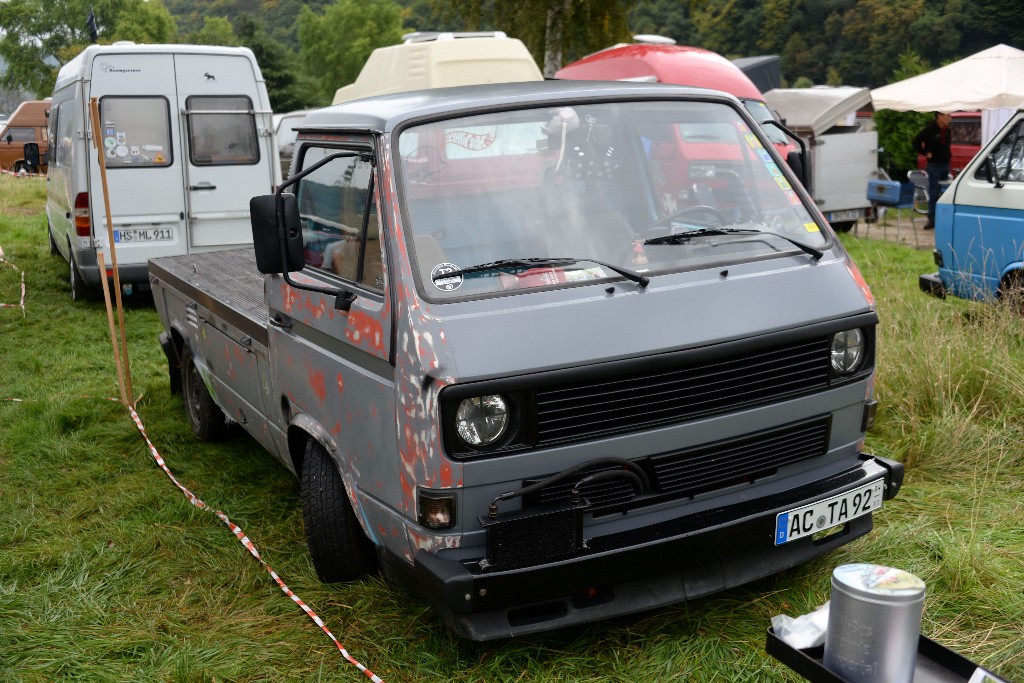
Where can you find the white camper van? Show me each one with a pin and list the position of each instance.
(186, 139)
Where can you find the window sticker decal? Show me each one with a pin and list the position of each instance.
(445, 284)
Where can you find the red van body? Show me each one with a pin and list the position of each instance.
(678, 64)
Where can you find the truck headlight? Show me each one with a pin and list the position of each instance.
(847, 351)
(482, 420)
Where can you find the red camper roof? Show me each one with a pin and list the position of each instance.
(678, 64)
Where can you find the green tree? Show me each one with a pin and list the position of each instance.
(215, 31)
(334, 45)
(896, 129)
(37, 36)
(669, 18)
(287, 86)
(555, 31)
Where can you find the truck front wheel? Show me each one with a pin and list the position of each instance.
(204, 416)
(337, 544)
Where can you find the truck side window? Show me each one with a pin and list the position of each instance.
(222, 131)
(15, 135)
(332, 204)
(1009, 155)
(136, 132)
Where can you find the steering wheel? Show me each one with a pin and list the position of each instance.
(717, 217)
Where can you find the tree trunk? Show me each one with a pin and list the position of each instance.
(553, 31)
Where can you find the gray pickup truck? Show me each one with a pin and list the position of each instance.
(544, 353)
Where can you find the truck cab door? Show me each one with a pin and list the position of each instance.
(987, 216)
(226, 142)
(334, 365)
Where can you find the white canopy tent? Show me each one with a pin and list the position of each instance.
(991, 80)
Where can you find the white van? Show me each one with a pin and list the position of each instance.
(187, 140)
(430, 59)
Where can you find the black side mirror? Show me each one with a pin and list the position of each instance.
(276, 236)
(991, 171)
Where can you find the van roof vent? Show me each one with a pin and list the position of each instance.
(123, 42)
(426, 36)
(652, 39)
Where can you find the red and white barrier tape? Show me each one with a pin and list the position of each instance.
(14, 267)
(240, 535)
(248, 545)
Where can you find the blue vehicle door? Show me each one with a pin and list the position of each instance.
(986, 211)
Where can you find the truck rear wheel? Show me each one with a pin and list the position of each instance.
(204, 416)
(53, 244)
(843, 226)
(337, 544)
(79, 290)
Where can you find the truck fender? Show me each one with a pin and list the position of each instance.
(1012, 278)
(302, 427)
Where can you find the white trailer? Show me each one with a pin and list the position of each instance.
(843, 156)
(186, 138)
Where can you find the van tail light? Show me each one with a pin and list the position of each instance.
(862, 284)
(83, 221)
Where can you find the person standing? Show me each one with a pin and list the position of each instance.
(933, 143)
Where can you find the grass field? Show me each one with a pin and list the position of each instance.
(107, 573)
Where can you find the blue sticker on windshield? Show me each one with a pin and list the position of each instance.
(765, 156)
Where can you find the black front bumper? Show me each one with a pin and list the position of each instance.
(931, 284)
(646, 568)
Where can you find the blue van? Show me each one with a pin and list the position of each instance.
(979, 223)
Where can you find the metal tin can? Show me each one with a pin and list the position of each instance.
(874, 622)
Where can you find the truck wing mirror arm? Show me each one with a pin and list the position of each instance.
(800, 169)
(277, 235)
(992, 172)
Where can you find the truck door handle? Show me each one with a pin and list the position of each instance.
(280, 322)
(202, 186)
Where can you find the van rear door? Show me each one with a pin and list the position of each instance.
(138, 128)
(227, 157)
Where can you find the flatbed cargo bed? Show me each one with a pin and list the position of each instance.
(226, 283)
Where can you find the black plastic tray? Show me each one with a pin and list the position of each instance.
(934, 664)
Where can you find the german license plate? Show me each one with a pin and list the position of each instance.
(143, 235)
(847, 215)
(810, 519)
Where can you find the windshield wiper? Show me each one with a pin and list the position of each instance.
(521, 263)
(683, 237)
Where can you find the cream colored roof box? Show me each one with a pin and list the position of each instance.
(440, 60)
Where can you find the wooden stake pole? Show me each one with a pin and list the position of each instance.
(113, 334)
(120, 351)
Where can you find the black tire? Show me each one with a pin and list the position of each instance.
(1011, 291)
(337, 544)
(204, 416)
(53, 244)
(80, 291)
(844, 226)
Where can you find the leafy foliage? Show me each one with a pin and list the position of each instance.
(335, 44)
(896, 129)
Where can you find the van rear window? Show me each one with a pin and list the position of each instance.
(222, 131)
(136, 132)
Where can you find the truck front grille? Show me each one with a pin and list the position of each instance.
(584, 410)
(705, 468)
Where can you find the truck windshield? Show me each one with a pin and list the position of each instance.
(565, 195)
